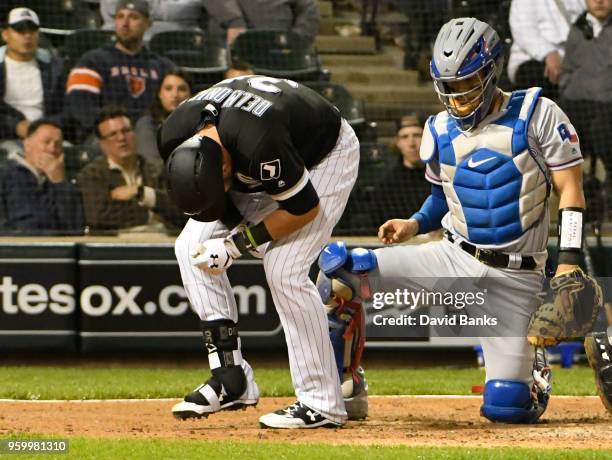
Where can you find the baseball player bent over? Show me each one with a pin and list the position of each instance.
(263, 166)
(491, 158)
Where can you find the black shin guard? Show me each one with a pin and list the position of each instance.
(224, 357)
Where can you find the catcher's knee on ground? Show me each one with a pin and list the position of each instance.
(511, 401)
(343, 284)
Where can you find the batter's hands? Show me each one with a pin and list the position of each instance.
(397, 230)
(215, 256)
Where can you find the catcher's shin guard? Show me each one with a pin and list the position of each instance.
(598, 347)
(343, 284)
(230, 387)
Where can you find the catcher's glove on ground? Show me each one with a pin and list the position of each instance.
(215, 256)
(576, 304)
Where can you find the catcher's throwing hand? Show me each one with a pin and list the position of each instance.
(576, 304)
(215, 256)
(397, 230)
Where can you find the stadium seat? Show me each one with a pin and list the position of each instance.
(80, 41)
(351, 109)
(278, 53)
(77, 156)
(193, 52)
(44, 42)
(59, 18)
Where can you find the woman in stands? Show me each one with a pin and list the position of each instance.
(175, 88)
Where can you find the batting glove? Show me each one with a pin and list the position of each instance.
(215, 256)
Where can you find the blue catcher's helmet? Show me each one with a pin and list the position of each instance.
(466, 48)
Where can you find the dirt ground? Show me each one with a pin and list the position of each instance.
(569, 422)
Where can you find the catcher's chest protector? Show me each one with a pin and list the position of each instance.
(494, 188)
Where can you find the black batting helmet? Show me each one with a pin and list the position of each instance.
(195, 178)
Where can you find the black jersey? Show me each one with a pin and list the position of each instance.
(275, 130)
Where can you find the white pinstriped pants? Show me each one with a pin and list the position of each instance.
(286, 263)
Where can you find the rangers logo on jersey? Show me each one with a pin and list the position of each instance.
(566, 134)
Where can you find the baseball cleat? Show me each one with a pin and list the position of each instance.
(598, 347)
(203, 401)
(355, 393)
(297, 415)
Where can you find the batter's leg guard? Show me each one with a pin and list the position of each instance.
(512, 401)
(598, 347)
(343, 284)
(232, 385)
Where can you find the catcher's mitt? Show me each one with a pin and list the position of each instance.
(576, 304)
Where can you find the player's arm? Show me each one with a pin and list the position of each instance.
(556, 138)
(568, 185)
(285, 178)
(425, 220)
(282, 223)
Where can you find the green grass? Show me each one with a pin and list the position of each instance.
(186, 449)
(74, 382)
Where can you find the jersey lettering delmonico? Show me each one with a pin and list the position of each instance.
(275, 130)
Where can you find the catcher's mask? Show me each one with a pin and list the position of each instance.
(466, 48)
(195, 178)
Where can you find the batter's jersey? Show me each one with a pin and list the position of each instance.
(496, 178)
(275, 130)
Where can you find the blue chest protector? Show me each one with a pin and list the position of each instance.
(495, 188)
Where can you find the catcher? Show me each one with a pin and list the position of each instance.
(492, 158)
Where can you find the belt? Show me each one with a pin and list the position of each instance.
(494, 258)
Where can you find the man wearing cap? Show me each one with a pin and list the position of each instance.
(31, 79)
(124, 73)
(165, 16)
(403, 188)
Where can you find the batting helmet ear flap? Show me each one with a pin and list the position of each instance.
(195, 178)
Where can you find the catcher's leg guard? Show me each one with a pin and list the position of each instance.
(231, 386)
(598, 347)
(343, 283)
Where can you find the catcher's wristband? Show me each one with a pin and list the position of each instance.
(570, 230)
(251, 237)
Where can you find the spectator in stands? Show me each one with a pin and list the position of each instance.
(587, 68)
(125, 73)
(165, 15)
(540, 29)
(175, 88)
(404, 188)
(120, 188)
(586, 80)
(236, 16)
(31, 79)
(34, 192)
